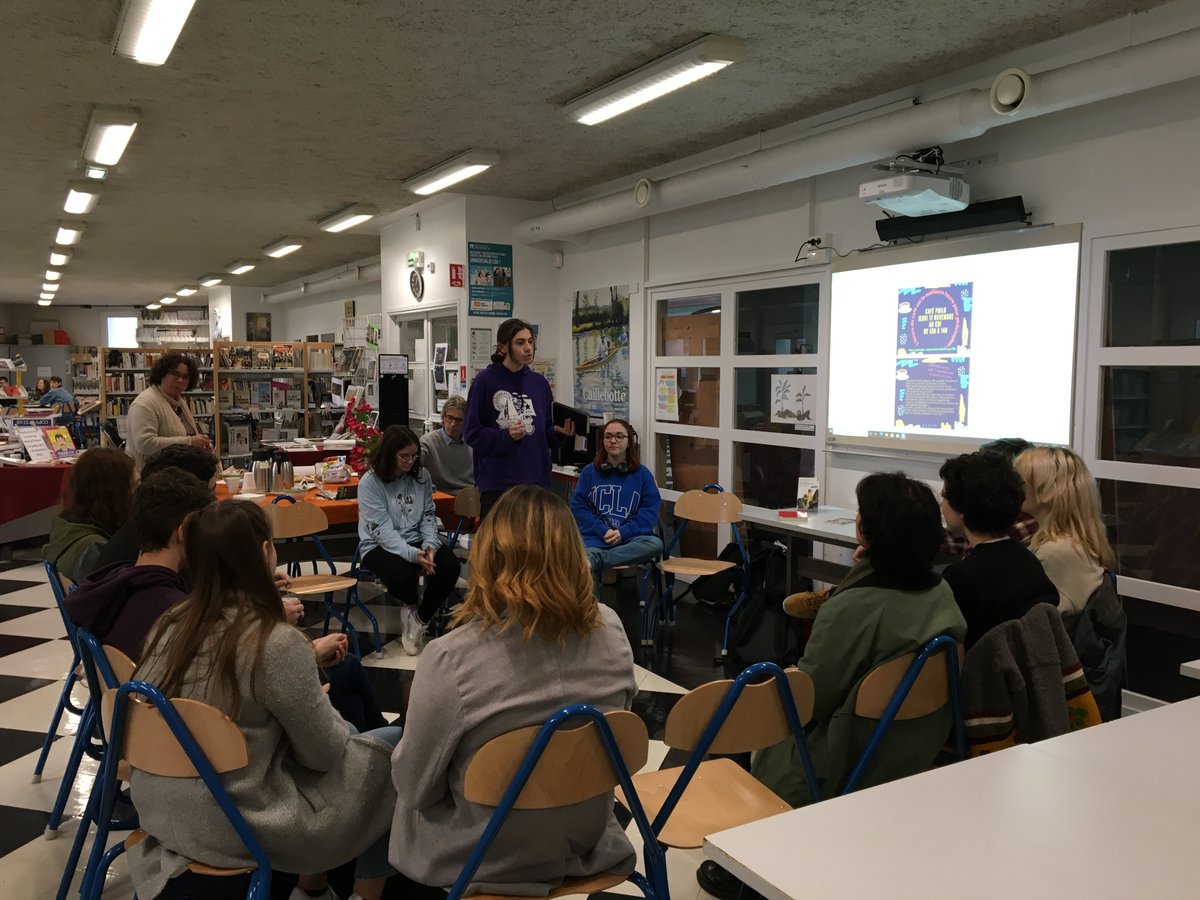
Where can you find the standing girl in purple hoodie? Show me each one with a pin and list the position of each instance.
(510, 426)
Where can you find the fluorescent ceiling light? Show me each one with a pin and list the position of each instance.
(241, 266)
(168, 299)
(675, 70)
(451, 172)
(69, 233)
(44, 302)
(348, 217)
(53, 275)
(51, 286)
(211, 279)
(81, 198)
(108, 134)
(283, 247)
(60, 256)
(97, 173)
(186, 290)
(148, 29)
(153, 306)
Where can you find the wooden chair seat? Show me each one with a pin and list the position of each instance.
(591, 885)
(138, 836)
(691, 565)
(721, 795)
(320, 584)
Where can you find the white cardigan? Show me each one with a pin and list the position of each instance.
(154, 424)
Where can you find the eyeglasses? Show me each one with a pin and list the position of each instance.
(454, 418)
(182, 376)
(407, 457)
(620, 436)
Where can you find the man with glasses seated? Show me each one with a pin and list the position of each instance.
(444, 454)
(159, 417)
(616, 504)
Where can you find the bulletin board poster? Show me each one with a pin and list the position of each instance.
(933, 356)
(490, 280)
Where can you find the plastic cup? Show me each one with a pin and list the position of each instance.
(234, 483)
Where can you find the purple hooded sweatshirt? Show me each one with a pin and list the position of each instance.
(497, 399)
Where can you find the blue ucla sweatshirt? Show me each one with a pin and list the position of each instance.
(497, 399)
(628, 503)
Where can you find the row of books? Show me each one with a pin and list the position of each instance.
(277, 357)
(320, 358)
(176, 314)
(350, 360)
(260, 394)
(145, 359)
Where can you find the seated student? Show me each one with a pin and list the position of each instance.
(123, 545)
(444, 453)
(61, 400)
(40, 388)
(530, 638)
(398, 531)
(616, 503)
(96, 502)
(1023, 527)
(1000, 579)
(1070, 542)
(315, 794)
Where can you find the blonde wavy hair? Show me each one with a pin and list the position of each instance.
(529, 569)
(1064, 500)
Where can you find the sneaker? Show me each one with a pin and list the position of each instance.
(717, 881)
(298, 894)
(412, 631)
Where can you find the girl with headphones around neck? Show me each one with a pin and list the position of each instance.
(616, 504)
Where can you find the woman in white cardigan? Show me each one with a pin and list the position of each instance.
(158, 417)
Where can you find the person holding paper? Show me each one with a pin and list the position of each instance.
(616, 503)
(510, 424)
(159, 416)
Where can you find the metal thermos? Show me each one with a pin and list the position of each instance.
(261, 470)
(282, 468)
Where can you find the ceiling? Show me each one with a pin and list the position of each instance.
(271, 115)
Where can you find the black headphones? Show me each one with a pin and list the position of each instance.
(607, 468)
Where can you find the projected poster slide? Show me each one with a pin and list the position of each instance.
(934, 320)
(933, 392)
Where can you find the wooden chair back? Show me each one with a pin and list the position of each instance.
(122, 666)
(295, 520)
(757, 720)
(67, 584)
(466, 503)
(573, 768)
(149, 745)
(929, 693)
(713, 508)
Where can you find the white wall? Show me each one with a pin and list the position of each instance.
(84, 325)
(325, 312)
(440, 231)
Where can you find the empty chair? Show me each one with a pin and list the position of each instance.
(466, 507)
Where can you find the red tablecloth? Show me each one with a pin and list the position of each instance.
(26, 489)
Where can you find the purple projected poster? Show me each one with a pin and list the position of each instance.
(934, 320)
(932, 393)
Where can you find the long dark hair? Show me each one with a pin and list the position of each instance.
(383, 461)
(508, 330)
(100, 488)
(223, 544)
(632, 457)
(168, 362)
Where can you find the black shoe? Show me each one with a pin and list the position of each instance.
(717, 881)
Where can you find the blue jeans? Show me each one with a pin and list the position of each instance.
(373, 862)
(640, 549)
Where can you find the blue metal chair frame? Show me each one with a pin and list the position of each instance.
(64, 697)
(357, 570)
(98, 863)
(331, 609)
(751, 673)
(99, 676)
(941, 642)
(653, 884)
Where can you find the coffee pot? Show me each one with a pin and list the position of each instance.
(282, 476)
(260, 470)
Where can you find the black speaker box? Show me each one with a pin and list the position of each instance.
(977, 215)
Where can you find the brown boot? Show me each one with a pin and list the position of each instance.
(805, 604)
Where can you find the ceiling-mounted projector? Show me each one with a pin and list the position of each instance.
(917, 193)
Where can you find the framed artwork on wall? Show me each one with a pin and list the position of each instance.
(258, 326)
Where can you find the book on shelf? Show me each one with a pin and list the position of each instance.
(239, 440)
(284, 357)
(320, 358)
(61, 444)
(241, 397)
(279, 399)
(349, 361)
(262, 358)
(292, 400)
(260, 394)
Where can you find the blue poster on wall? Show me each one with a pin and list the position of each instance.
(490, 280)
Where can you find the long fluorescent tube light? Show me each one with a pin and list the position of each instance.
(168, 300)
(47, 298)
(675, 70)
(148, 29)
(241, 266)
(44, 301)
(186, 290)
(283, 247)
(51, 286)
(108, 134)
(69, 232)
(81, 197)
(211, 279)
(348, 217)
(451, 172)
(53, 275)
(153, 306)
(60, 256)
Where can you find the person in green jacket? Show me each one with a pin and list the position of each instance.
(890, 604)
(96, 502)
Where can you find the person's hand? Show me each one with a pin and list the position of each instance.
(330, 649)
(425, 561)
(293, 609)
(201, 441)
(567, 430)
(282, 581)
(516, 430)
(612, 536)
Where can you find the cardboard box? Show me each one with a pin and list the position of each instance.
(691, 335)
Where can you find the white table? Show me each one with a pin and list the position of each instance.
(827, 525)
(1106, 812)
(1190, 669)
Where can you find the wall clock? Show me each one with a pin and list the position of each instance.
(416, 284)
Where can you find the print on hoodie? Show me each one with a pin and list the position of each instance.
(511, 408)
